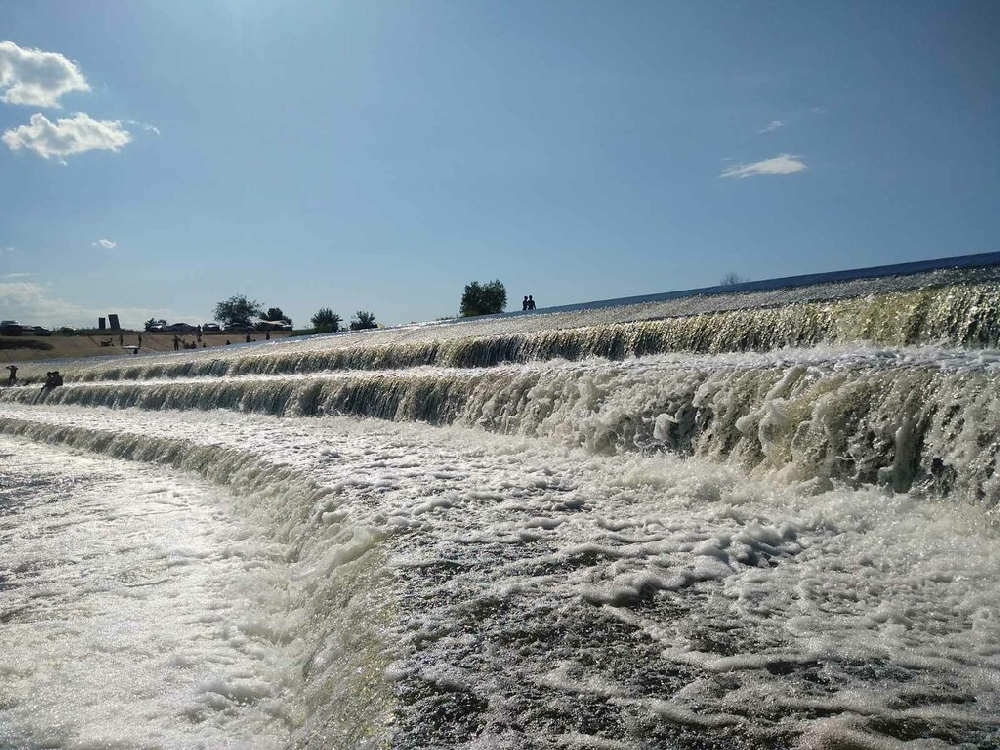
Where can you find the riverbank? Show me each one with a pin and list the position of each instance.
(29, 348)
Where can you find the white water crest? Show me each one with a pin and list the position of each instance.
(294, 544)
(124, 609)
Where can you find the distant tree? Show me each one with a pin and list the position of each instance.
(326, 321)
(237, 310)
(483, 299)
(275, 313)
(363, 320)
(731, 279)
(154, 321)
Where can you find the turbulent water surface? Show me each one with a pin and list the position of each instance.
(763, 528)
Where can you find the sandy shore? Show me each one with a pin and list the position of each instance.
(91, 346)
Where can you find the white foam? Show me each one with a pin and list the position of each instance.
(694, 596)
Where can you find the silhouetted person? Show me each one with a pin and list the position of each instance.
(12, 380)
(140, 341)
(531, 302)
(177, 343)
(524, 303)
(52, 380)
(121, 339)
(248, 338)
(267, 335)
(228, 342)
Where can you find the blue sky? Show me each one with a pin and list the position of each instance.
(158, 157)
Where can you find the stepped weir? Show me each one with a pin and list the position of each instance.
(642, 518)
(889, 413)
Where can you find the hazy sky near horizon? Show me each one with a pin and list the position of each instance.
(158, 157)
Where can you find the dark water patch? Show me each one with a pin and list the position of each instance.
(953, 734)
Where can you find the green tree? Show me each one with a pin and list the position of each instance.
(483, 299)
(275, 313)
(237, 310)
(731, 279)
(363, 320)
(326, 321)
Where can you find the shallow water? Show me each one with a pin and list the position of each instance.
(363, 583)
(124, 609)
(761, 519)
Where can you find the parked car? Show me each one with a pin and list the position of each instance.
(239, 327)
(67, 330)
(211, 328)
(179, 328)
(40, 331)
(10, 328)
(273, 325)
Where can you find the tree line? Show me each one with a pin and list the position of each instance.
(239, 310)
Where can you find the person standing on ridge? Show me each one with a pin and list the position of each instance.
(524, 303)
(531, 302)
(12, 380)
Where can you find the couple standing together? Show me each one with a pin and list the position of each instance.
(528, 303)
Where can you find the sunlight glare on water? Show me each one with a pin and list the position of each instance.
(127, 593)
(501, 592)
(761, 521)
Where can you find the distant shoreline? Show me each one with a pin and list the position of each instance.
(82, 345)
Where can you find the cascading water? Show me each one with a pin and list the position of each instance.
(763, 520)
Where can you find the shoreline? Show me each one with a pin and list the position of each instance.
(74, 346)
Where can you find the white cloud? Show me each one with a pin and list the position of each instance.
(106, 244)
(781, 164)
(18, 275)
(772, 126)
(36, 304)
(30, 301)
(67, 136)
(34, 77)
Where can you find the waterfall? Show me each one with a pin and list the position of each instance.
(957, 316)
(900, 419)
(759, 518)
(847, 390)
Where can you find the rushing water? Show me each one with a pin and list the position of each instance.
(773, 527)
